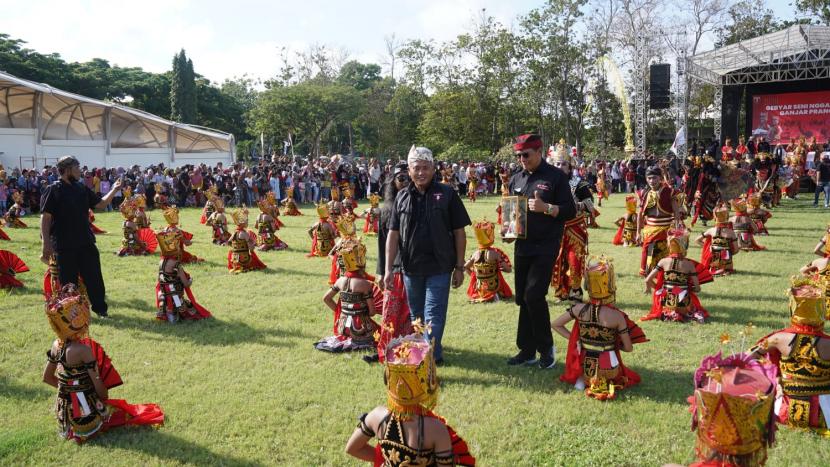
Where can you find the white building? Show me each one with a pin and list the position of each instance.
(39, 124)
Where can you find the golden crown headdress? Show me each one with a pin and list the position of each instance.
(733, 409)
(322, 210)
(240, 216)
(721, 213)
(17, 197)
(140, 201)
(600, 281)
(170, 242)
(218, 203)
(127, 208)
(158, 188)
(738, 205)
(754, 200)
(410, 375)
(678, 241)
(807, 304)
(374, 200)
(485, 233)
(68, 314)
(353, 254)
(345, 225)
(171, 215)
(631, 204)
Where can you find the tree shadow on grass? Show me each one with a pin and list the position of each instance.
(166, 447)
(133, 303)
(742, 315)
(10, 388)
(661, 385)
(209, 332)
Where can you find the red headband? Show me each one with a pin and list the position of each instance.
(529, 141)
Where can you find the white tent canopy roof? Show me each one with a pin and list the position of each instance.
(801, 46)
(63, 115)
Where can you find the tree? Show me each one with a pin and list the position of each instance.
(183, 90)
(817, 8)
(746, 19)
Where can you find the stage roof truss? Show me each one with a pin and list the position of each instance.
(800, 52)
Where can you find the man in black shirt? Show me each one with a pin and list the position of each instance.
(427, 227)
(823, 180)
(550, 204)
(65, 231)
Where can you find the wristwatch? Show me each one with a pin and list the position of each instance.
(549, 210)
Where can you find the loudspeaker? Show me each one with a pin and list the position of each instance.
(659, 86)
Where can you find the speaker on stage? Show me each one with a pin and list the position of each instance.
(659, 86)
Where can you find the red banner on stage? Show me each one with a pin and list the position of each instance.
(781, 117)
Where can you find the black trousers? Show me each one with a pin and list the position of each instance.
(84, 262)
(532, 279)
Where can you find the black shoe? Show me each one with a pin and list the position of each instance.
(548, 361)
(522, 358)
(439, 362)
(371, 358)
(102, 315)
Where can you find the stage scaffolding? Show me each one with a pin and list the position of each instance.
(800, 52)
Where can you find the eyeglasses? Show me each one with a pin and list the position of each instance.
(523, 155)
(402, 178)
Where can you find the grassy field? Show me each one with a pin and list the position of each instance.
(248, 388)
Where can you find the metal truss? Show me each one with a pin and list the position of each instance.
(680, 103)
(718, 111)
(640, 107)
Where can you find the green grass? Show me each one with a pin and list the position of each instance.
(248, 388)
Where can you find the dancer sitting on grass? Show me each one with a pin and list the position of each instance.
(720, 244)
(485, 267)
(241, 257)
(407, 430)
(802, 353)
(359, 299)
(676, 280)
(209, 208)
(219, 223)
(15, 212)
(174, 300)
(372, 214)
(171, 216)
(135, 242)
(758, 214)
(83, 375)
(627, 231)
(823, 246)
(744, 227)
(819, 271)
(322, 234)
(600, 332)
(290, 204)
(266, 225)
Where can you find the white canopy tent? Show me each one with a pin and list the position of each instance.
(39, 124)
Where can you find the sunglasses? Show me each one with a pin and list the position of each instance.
(523, 155)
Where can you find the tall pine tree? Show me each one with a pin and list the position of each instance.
(183, 90)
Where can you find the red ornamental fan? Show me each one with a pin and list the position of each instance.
(10, 264)
(147, 236)
(109, 375)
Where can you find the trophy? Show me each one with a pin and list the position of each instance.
(514, 217)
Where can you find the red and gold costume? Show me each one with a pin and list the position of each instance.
(566, 279)
(354, 328)
(732, 410)
(720, 245)
(241, 257)
(758, 214)
(472, 186)
(171, 216)
(95, 229)
(349, 204)
(10, 266)
(744, 227)
(80, 412)
(705, 196)
(266, 225)
(593, 361)
(15, 212)
(346, 230)
(485, 267)
(135, 242)
(796, 162)
(3, 235)
(141, 219)
(322, 234)
(727, 151)
(805, 375)
(290, 204)
(174, 299)
(657, 210)
(372, 216)
(602, 187)
(412, 392)
(160, 199)
(765, 179)
(209, 208)
(627, 225)
(673, 298)
(219, 223)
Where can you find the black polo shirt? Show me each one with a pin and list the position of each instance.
(426, 222)
(823, 171)
(544, 233)
(69, 205)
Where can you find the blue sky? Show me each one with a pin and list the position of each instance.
(227, 39)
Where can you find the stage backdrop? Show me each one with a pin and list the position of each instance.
(780, 117)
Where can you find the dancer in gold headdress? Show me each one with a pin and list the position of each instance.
(802, 353)
(486, 266)
(266, 225)
(160, 199)
(758, 214)
(209, 208)
(720, 244)
(675, 281)
(600, 332)
(372, 214)
(171, 216)
(627, 232)
(408, 432)
(219, 223)
(15, 212)
(290, 204)
(241, 257)
(135, 242)
(174, 299)
(322, 234)
(744, 227)
(83, 375)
